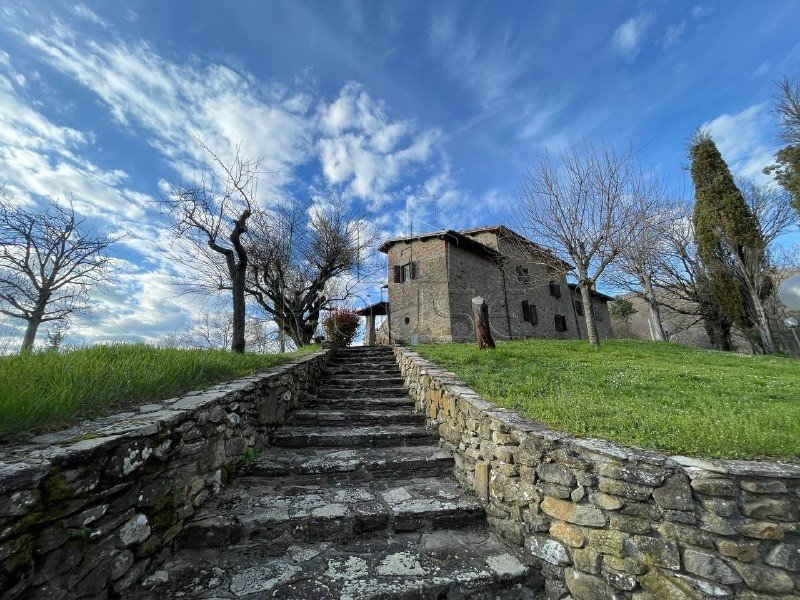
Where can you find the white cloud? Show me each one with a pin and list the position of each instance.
(86, 13)
(763, 69)
(628, 37)
(673, 34)
(745, 139)
(357, 145)
(488, 66)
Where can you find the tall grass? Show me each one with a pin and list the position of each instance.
(658, 396)
(51, 389)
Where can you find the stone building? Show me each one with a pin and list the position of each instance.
(434, 276)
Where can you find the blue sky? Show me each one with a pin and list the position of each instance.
(382, 101)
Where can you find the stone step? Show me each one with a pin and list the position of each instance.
(467, 563)
(359, 381)
(311, 508)
(329, 391)
(365, 372)
(352, 437)
(323, 417)
(371, 403)
(361, 364)
(421, 461)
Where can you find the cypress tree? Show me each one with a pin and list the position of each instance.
(723, 225)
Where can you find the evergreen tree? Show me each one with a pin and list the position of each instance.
(729, 241)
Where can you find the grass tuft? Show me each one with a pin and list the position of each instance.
(658, 396)
(52, 389)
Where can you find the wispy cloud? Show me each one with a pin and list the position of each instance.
(86, 13)
(673, 34)
(627, 38)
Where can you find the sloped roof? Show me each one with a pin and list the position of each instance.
(462, 238)
(450, 236)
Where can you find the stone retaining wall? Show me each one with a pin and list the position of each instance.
(87, 511)
(607, 521)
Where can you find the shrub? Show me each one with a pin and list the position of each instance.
(341, 325)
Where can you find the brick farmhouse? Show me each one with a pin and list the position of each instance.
(434, 276)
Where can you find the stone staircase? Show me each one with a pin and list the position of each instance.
(354, 500)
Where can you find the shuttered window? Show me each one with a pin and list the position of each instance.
(561, 322)
(533, 314)
(579, 308)
(405, 272)
(555, 289)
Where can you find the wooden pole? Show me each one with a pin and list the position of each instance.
(481, 313)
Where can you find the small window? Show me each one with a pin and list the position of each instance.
(555, 289)
(534, 314)
(407, 320)
(406, 272)
(561, 322)
(523, 276)
(526, 311)
(579, 308)
(598, 314)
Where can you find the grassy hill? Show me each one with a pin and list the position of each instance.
(658, 396)
(48, 389)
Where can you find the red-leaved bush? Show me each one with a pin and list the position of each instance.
(341, 325)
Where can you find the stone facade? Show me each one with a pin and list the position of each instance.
(607, 521)
(435, 305)
(86, 512)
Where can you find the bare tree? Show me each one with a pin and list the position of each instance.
(214, 330)
(48, 264)
(683, 282)
(212, 216)
(639, 261)
(752, 265)
(586, 208)
(305, 260)
(787, 107)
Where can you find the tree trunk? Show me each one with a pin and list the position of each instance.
(482, 328)
(656, 325)
(30, 332)
(591, 324)
(237, 343)
(762, 323)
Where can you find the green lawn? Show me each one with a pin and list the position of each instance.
(652, 395)
(48, 389)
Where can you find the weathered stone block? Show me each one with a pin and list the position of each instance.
(639, 474)
(709, 566)
(763, 487)
(589, 587)
(580, 514)
(715, 487)
(770, 508)
(607, 541)
(549, 550)
(765, 579)
(675, 494)
(481, 483)
(654, 551)
(555, 473)
(785, 556)
(587, 559)
(605, 501)
(763, 530)
(622, 488)
(571, 536)
(686, 534)
(744, 551)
